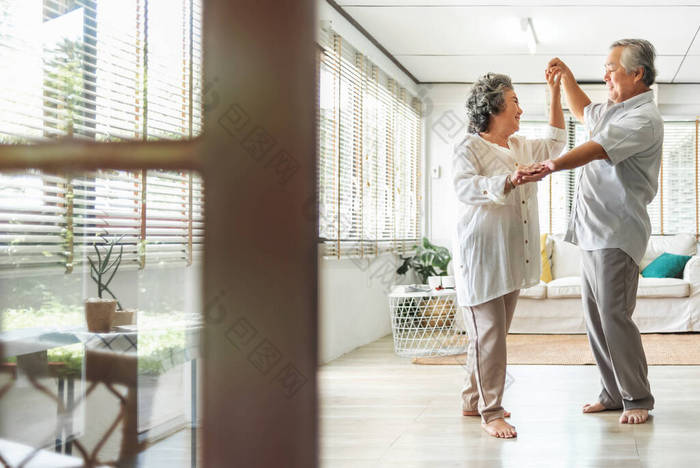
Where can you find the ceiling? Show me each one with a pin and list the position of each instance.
(457, 41)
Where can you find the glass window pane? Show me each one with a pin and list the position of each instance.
(100, 315)
(679, 178)
(101, 70)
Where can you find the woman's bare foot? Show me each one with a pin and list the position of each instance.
(500, 429)
(506, 414)
(594, 407)
(634, 416)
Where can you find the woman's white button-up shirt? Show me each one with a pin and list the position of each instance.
(496, 247)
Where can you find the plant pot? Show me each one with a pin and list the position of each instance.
(434, 281)
(448, 282)
(124, 317)
(99, 314)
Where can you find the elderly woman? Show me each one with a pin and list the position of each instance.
(497, 245)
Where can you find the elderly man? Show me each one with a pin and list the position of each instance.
(610, 222)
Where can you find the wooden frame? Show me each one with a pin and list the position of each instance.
(260, 275)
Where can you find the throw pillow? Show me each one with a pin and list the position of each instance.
(666, 265)
(679, 244)
(546, 265)
(566, 258)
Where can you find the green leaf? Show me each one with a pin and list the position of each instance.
(106, 260)
(404, 266)
(99, 257)
(428, 260)
(113, 297)
(119, 260)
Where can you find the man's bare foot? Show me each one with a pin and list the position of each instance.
(500, 429)
(594, 407)
(506, 414)
(634, 416)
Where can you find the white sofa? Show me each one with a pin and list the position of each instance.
(663, 304)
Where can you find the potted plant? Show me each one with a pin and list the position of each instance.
(428, 260)
(102, 313)
(430, 263)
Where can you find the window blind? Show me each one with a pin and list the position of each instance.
(678, 187)
(554, 194)
(51, 222)
(105, 204)
(676, 207)
(33, 221)
(369, 155)
(168, 216)
(103, 70)
(567, 181)
(100, 70)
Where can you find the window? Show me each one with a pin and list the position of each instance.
(555, 194)
(676, 205)
(369, 156)
(105, 71)
(675, 208)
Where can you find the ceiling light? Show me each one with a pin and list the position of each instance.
(529, 28)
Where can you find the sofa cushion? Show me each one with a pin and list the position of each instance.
(566, 258)
(666, 265)
(691, 272)
(568, 286)
(546, 258)
(538, 291)
(648, 287)
(680, 244)
(663, 287)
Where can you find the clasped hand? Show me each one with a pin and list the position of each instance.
(532, 173)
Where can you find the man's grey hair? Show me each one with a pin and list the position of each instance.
(486, 98)
(638, 53)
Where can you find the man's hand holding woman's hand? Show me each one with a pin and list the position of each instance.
(556, 71)
(532, 173)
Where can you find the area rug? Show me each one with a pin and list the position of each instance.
(668, 349)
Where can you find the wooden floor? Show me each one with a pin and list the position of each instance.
(377, 409)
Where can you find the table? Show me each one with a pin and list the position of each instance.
(423, 322)
(14, 453)
(111, 360)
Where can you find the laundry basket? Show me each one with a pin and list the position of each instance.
(423, 323)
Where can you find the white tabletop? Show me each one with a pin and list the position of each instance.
(404, 290)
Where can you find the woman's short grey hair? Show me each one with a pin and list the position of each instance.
(638, 53)
(486, 98)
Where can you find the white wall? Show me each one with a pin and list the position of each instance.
(353, 303)
(679, 101)
(445, 126)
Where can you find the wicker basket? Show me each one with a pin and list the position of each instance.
(422, 323)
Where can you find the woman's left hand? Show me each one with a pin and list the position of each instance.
(532, 173)
(553, 77)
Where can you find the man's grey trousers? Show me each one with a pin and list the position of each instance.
(609, 293)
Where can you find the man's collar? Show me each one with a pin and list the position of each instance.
(638, 100)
